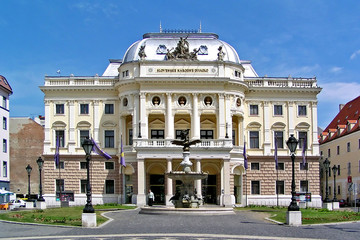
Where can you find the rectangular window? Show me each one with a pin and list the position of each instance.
(157, 134)
(4, 102)
(109, 139)
(5, 169)
(62, 165)
(4, 123)
(178, 133)
(4, 145)
(304, 186)
(207, 134)
(281, 166)
(109, 108)
(279, 137)
(234, 137)
(339, 190)
(349, 168)
(329, 152)
(60, 184)
(338, 150)
(109, 186)
(83, 134)
(280, 187)
(348, 147)
(302, 110)
(82, 165)
(254, 139)
(109, 165)
(84, 108)
(302, 167)
(59, 108)
(330, 171)
(255, 166)
(338, 170)
(255, 187)
(254, 110)
(61, 135)
(278, 111)
(130, 137)
(83, 183)
(302, 137)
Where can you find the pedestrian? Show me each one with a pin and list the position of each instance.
(151, 198)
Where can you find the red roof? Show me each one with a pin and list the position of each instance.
(349, 114)
(5, 84)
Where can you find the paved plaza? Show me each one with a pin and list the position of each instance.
(129, 224)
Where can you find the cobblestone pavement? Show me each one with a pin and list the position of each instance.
(129, 224)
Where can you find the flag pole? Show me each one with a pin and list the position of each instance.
(277, 172)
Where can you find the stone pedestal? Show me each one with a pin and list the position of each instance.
(227, 200)
(328, 205)
(88, 219)
(41, 205)
(141, 200)
(336, 205)
(293, 218)
(29, 204)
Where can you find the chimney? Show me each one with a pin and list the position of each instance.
(341, 106)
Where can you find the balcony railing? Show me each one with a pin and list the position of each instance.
(281, 82)
(214, 143)
(80, 81)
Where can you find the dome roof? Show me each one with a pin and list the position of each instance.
(158, 44)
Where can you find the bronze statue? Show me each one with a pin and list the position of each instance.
(185, 142)
(181, 51)
(220, 54)
(142, 54)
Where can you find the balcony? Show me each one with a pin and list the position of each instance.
(205, 143)
(281, 82)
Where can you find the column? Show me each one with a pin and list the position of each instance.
(169, 184)
(314, 140)
(226, 183)
(198, 182)
(195, 121)
(267, 132)
(135, 116)
(141, 177)
(169, 121)
(71, 121)
(47, 133)
(142, 116)
(291, 118)
(96, 115)
(221, 117)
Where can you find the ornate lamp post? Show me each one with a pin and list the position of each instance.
(40, 163)
(334, 168)
(326, 166)
(292, 144)
(87, 145)
(28, 169)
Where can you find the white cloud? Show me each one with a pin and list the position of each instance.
(339, 92)
(353, 56)
(336, 69)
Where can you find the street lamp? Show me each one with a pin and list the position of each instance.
(28, 169)
(87, 145)
(326, 166)
(40, 163)
(334, 168)
(292, 143)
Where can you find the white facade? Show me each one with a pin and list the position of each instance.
(157, 91)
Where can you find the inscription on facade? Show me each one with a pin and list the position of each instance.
(182, 70)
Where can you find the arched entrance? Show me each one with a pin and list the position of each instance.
(238, 184)
(210, 184)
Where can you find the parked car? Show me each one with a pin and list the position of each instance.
(18, 203)
(343, 203)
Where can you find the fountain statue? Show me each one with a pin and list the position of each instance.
(187, 196)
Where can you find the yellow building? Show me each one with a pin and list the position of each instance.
(340, 144)
(168, 82)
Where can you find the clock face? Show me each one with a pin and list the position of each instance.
(203, 50)
(161, 49)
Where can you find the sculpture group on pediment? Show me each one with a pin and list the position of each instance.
(181, 51)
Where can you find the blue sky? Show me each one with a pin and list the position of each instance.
(281, 37)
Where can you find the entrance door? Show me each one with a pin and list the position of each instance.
(237, 189)
(209, 189)
(158, 188)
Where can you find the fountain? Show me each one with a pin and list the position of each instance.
(187, 197)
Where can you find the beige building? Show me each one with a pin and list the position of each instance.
(165, 83)
(340, 144)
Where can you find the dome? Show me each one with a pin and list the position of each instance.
(157, 45)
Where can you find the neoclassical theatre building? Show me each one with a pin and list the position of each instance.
(168, 82)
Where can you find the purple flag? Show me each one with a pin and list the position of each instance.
(245, 157)
(98, 151)
(122, 155)
(275, 154)
(304, 153)
(57, 155)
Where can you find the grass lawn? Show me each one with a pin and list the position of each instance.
(70, 216)
(309, 215)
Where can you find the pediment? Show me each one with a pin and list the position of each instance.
(83, 124)
(109, 124)
(254, 125)
(59, 124)
(303, 125)
(278, 125)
